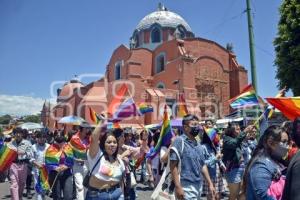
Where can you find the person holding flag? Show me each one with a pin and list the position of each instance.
(80, 143)
(38, 161)
(59, 160)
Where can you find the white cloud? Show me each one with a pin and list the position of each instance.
(20, 105)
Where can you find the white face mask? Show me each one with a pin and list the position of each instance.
(280, 151)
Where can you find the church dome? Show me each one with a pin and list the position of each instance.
(164, 18)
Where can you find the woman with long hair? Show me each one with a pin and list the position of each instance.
(213, 161)
(233, 158)
(264, 168)
(106, 180)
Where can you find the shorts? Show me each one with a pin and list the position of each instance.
(235, 175)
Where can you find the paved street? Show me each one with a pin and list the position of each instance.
(144, 192)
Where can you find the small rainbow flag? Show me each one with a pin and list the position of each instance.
(289, 106)
(7, 156)
(144, 108)
(79, 149)
(212, 134)
(165, 136)
(42, 185)
(94, 117)
(246, 98)
(182, 109)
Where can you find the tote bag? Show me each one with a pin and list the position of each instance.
(165, 188)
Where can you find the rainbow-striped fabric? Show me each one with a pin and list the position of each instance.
(79, 149)
(42, 185)
(7, 156)
(144, 108)
(94, 117)
(165, 136)
(246, 98)
(53, 155)
(289, 106)
(212, 134)
(182, 109)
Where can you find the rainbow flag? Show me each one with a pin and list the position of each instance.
(7, 156)
(52, 155)
(246, 98)
(125, 110)
(144, 108)
(79, 149)
(42, 185)
(94, 117)
(212, 134)
(182, 109)
(165, 136)
(67, 149)
(289, 106)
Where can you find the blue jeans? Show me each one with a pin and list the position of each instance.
(115, 194)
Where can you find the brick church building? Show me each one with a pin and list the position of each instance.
(164, 58)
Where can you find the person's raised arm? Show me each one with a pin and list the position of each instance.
(95, 138)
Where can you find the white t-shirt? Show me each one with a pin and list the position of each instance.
(105, 170)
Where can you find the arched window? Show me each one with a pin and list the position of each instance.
(160, 63)
(118, 70)
(161, 85)
(155, 35)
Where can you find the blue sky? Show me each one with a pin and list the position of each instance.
(52, 40)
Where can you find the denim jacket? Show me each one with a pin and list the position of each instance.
(210, 160)
(260, 176)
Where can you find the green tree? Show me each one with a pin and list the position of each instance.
(32, 118)
(287, 46)
(5, 119)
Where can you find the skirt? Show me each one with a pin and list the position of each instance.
(217, 181)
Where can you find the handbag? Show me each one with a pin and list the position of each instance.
(165, 189)
(86, 179)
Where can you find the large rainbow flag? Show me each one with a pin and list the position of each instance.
(53, 154)
(79, 149)
(165, 136)
(42, 185)
(182, 109)
(289, 106)
(7, 156)
(246, 98)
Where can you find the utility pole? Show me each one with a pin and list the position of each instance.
(251, 45)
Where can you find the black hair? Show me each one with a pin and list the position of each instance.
(209, 120)
(274, 132)
(18, 130)
(118, 132)
(38, 134)
(206, 140)
(296, 131)
(102, 145)
(59, 136)
(189, 117)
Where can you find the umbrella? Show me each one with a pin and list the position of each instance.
(73, 120)
(31, 126)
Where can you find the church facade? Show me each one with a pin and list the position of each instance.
(164, 58)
